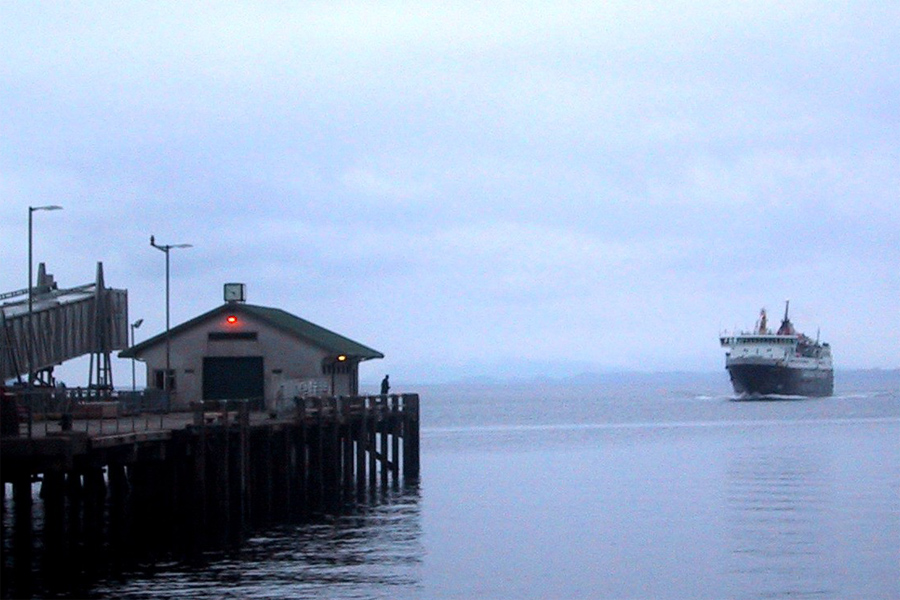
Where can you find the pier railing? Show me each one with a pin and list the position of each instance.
(40, 411)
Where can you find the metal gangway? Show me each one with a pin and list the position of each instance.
(61, 324)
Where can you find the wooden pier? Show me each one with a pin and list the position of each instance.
(177, 485)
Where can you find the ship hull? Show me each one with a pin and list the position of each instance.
(777, 380)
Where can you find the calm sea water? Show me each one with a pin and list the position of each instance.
(656, 486)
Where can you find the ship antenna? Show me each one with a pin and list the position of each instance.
(787, 303)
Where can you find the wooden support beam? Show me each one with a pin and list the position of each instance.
(384, 422)
(361, 445)
(370, 438)
(395, 438)
(410, 437)
(300, 457)
(23, 535)
(347, 448)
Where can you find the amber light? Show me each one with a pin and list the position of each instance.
(342, 358)
(231, 319)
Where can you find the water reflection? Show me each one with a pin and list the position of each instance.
(776, 497)
(372, 551)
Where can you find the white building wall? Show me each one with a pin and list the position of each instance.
(287, 360)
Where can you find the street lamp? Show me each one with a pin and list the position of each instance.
(31, 210)
(165, 248)
(134, 326)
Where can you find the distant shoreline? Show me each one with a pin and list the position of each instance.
(590, 378)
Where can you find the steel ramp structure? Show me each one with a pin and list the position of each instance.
(64, 324)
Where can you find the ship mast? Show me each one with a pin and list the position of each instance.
(786, 327)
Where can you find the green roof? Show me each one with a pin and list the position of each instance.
(277, 318)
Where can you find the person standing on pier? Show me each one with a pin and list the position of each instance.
(385, 386)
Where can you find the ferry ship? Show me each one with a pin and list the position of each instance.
(784, 363)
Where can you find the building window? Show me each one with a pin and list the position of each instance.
(160, 383)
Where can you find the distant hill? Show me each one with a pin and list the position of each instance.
(845, 380)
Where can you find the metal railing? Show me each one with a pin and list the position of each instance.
(42, 411)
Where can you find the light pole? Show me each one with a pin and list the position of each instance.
(31, 210)
(165, 248)
(134, 326)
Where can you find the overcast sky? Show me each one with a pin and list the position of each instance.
(528, 187)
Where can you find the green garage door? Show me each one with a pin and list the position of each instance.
(233, 377)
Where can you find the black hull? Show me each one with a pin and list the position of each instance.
(770, 380)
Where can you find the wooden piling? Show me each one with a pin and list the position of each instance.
(197, 507)
(361, 446)
(23, 534)
(53, 496)
(300, 465)
(371, 436)
(410, 436)
(300, 460)
(346, 436)
(395, 422)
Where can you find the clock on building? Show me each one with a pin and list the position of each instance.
(235, 292)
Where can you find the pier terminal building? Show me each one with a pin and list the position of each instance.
(244, 351)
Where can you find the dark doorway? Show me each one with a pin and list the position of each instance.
(234, 377)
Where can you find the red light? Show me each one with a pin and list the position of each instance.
(231, 319)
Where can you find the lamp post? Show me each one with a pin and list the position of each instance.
(165, 248)
(134, 326)
(31, 210)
